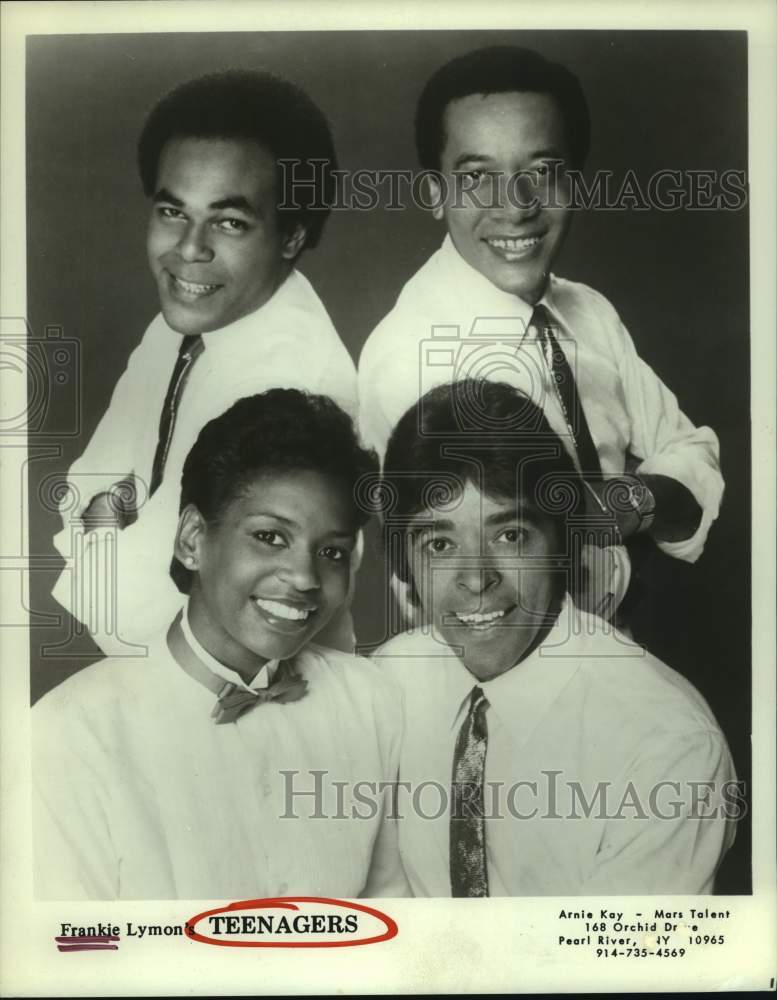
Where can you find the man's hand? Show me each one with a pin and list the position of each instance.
(105, 511)
(675, 514)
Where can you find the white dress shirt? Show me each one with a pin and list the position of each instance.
(451, 322)
(117, 583)
(139, 794)
(584, 707)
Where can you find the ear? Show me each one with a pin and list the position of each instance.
(436, 197)
(404, 584)
(406, 600)
(412, 594)
(189, 538)
(294, 241)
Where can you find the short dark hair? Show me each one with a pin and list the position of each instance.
(258, 106)
(500, 69)
(481, 432)
(281, 430)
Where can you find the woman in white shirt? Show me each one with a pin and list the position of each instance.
(235, 758)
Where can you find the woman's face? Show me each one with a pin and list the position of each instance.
(274, 569)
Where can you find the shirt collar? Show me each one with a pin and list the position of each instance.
(482, 296)
(521, 696)
(283, 296)
(260, 681)
(550, 301)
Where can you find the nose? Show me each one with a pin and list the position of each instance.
(300, 571)
(519, 197)
(193, 246)
(478, 579)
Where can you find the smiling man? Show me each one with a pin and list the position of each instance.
(499, 129)
(236, 319)
(217, 245)
(500, 154)
(541, 757)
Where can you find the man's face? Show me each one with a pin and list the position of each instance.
(481, 571)
(508, 229)
(274, 569)
(215, 245)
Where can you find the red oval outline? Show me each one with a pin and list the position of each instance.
(288, 903)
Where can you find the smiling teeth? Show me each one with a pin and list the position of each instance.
(478, 619)
(284, 611)
(190, 286)
(515, 244)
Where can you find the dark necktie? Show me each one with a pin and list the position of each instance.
(232, 701)
(469, 875)
(600, 598)
(566, 392)
(190, 349)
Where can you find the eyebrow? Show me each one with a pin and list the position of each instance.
(289, 522)
(483, 158)
(515, 514)
(271, 513)
(468, 157)
(519, 513)
(427, 523)
(164, 195)
(235, 201)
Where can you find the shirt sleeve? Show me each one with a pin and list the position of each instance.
(668, 444)
(386, 877)
(391, 378)
(671, 822)
(73, 853)
(374, 422)
(118, 582)
(109, 456)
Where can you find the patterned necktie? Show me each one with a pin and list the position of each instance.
(469, 875)
(190, 349)
(566, 392)
(232, 701)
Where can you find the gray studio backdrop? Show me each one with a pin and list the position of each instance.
(678, 278)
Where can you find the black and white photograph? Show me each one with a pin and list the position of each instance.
(393, 518)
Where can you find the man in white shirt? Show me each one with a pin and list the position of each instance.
(542, 754)
(236, 318)
(498, 129)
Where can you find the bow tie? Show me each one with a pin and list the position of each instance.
(233, 701)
